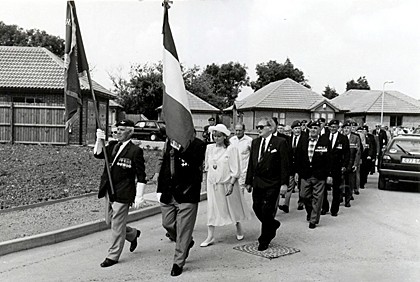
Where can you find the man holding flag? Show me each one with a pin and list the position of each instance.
(180, 174)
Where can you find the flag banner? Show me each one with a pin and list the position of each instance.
(75, 63)
(176, 109)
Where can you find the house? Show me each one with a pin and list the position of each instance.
(200, 110)
(32, 100)
(366, 106)
(286, 100)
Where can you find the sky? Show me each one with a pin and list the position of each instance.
(331, 41)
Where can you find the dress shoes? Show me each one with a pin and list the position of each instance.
(333, 214)
(169, 237)
(308, 217)
(262, 247)
(362, 187)
(312, 225)
(347, 205)
(207, 243)
(133, 245)
(108, 262)
(189, 247)
(351, 198)
(300, 207)
(176, 270)
(284, 208)
(356, 192)
(323, 212)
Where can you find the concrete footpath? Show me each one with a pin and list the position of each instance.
(358, 245)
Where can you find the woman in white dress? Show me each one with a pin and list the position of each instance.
(225, 203)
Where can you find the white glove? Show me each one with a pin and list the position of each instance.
(158, 195)
(139, 200)
(100, 134)
(329, 180)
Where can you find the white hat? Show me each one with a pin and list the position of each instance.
(221, 128)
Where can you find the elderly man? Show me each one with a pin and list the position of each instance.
(267, 174)
(313, 165)
(126, 167)
(207, 135)
(243, 143)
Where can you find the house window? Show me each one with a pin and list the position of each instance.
(327, 116)
(281, 117)
(29, 100)
(395, 120)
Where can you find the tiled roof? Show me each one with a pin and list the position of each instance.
(36, 67)
(370, 101)
(198, 104)
(283, 94)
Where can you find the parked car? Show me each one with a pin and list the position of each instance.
(400, 161)
(153, 130)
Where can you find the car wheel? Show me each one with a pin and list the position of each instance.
(153, 137)
(382, 183)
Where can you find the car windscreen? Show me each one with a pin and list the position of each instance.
(408, 145)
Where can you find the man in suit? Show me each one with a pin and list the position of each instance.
(368, 154)
(324, 129)
(313, 165)
(127, 167)
(267, 174)
(354, 160)
(293, 143)
(178, 190)
(304, 131)
(340, 156)
(207, 135)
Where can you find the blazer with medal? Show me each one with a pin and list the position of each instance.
(272, 170)
(125, 170)
(185, 184)
(340, 154)
(321, 160)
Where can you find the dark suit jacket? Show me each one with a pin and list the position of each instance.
(272, 171)
(370, 148)
(382, 138)
(340, 154)
(185, 184)
(355, 150)
(321, 162)
(293, 166)
(128, 166)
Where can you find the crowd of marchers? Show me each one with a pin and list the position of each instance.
(311, 158)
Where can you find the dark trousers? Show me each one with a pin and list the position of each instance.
(365, 168)
(265, 207)
(336, 195)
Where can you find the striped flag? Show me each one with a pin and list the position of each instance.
(74, 63)
(176, 109)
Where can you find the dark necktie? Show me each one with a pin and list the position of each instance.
(262, 149)
(115, 151)
(294, 141)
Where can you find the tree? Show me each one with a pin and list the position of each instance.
(361, 83)
(226, 81)
(12, 35)
(273, 71)
(142, 93)
(329, 92)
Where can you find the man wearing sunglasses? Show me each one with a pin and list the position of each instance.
(267, 174)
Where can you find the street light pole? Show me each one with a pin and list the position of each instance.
(382, 108)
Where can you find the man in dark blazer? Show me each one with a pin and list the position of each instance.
(313, 165)
(178, 189)
(293, 142)
(368, 155)
(324, 129)
(340, 156)
(127, 168)
(267, 174)
(207, 135)
(354, 162)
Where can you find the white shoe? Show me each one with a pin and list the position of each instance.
(207, 243)
(239, 237)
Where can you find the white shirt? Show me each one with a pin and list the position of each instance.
(293, 140)
(333, 138)
(244, 148)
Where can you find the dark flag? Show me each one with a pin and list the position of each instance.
(176, 109)
(75, 63)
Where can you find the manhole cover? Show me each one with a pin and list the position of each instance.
(274, 250)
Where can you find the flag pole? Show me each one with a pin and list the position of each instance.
(79, 33)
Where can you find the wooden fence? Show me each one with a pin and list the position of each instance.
(32, 123)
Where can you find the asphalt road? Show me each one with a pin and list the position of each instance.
(377, 239)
